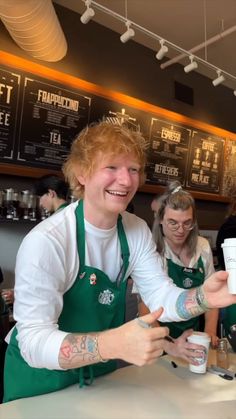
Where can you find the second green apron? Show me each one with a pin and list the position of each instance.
(185, 278)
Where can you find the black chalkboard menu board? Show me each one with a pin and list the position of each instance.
(205, 162)
(167, 154)
(42, 110)
(50, 119)
(229, 177)
(9, 98)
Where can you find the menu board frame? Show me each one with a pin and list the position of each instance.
(168, 152)
(56, 115)
(205, 162)
(67, 81)
(9, 102)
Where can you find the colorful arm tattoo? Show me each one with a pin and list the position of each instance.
(191, 303)
(79, 350)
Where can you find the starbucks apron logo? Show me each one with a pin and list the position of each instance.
(106, 297)
(187, 282)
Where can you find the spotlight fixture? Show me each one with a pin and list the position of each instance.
(88, 14)
(92, 5)
(192, 66)
(162, 51)
(128, 34)
(219, 79)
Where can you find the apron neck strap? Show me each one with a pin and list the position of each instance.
(79, 212)
(124, 244)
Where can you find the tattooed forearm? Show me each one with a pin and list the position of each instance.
(191, 303)
(78, 350)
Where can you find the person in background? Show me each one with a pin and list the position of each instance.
(53, 192)
(186, 257)
(227, 231)
(72, 270)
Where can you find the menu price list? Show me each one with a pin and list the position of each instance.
(229, 178)
(9, 97)
(167, 154)
(205, 162)
(50, 119)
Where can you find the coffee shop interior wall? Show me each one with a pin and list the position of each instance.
(95, 54)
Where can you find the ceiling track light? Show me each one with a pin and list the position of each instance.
(192, 66)
(162, 51)
(88, 14)
(128, 34)
(219, 79)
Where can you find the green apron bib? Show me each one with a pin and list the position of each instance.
(92, 304)
(185, 278)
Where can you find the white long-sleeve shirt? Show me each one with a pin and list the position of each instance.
(47, 266)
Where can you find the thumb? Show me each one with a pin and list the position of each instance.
(187, 333)
(221, 275)
(152, 317)
(218, 276)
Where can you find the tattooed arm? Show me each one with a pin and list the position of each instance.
(138, 345)
(191, 303)
(79, 350)
(129, 342)
(212, 294)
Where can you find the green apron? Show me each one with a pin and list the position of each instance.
(185, 278)
(229, 317)
(62, 206)
(92, 304)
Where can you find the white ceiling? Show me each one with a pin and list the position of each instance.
(185, 23)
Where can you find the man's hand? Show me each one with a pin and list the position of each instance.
(216, 292)
(133, 342)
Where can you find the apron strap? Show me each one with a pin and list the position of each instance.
(80, 233)
(79, 212)
(124, 248)
(82, 381)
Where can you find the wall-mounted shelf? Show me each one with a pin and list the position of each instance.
(157, 189)
(20, 221)
(17, 170)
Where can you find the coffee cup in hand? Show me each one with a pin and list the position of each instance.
(203, 339)
(229, 251)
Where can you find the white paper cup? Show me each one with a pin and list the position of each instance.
(200, 338)
(229, 251)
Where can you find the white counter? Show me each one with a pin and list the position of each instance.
(158, 391)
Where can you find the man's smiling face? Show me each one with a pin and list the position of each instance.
(112, 185)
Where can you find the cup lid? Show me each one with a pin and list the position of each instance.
(229, 242)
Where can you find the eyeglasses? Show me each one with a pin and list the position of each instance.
(174, 225)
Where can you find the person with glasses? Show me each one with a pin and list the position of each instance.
(186, 256)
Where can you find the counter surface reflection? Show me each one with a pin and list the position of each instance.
(157, 391)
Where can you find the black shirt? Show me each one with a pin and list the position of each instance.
(226, 231)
